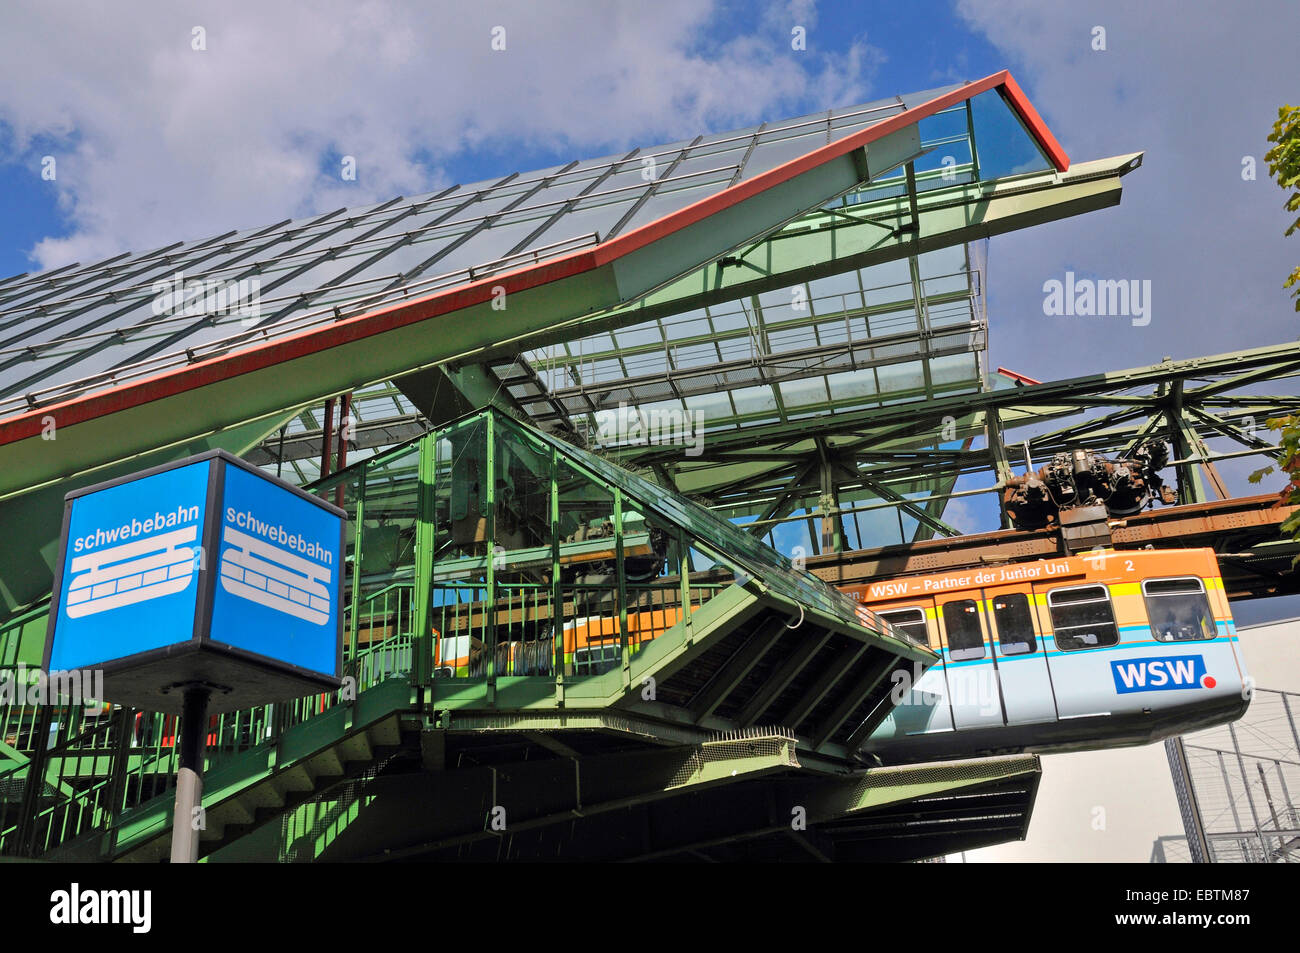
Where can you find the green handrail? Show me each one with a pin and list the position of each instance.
(129, 757)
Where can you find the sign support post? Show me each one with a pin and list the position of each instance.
(189, 775)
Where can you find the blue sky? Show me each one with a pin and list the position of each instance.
(912, 47)
(29, 207)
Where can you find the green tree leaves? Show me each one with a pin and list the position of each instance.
(1284, 165)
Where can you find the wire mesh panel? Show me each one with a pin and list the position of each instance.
(1245, 786)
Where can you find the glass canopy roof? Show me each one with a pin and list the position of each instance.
(848, 341)
(780, 361)
(70, 324)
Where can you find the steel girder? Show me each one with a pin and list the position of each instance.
(763, 471)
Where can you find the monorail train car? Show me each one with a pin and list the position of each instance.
(1099, 650)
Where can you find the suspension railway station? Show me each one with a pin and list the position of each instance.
(623, 445)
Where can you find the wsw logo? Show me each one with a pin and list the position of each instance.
(1160, 674)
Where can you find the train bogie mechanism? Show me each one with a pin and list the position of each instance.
(1079, 479)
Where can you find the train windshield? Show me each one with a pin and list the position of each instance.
(1082, 618)
(1178, 609)
(910, 622)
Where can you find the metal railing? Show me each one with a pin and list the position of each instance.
(526, 623)
(69, 771)
(1241, 793)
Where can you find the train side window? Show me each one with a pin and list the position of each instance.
(911, 622)
(596, 659)
(1178, 609)
(1015, 624)
(1082, 618)
(962, 621)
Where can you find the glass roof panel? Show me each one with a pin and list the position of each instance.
(754, 400)
(953, 368)
(1003, 145)
(897, 377)
(811, 391)
(736, 319)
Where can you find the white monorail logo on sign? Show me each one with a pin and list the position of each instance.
(264, 563)
(133, 569)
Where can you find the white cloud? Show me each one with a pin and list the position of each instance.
(162, 142)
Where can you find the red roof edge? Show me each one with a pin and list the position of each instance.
(1025, 109)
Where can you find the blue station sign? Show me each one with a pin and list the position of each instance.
(205, 571)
